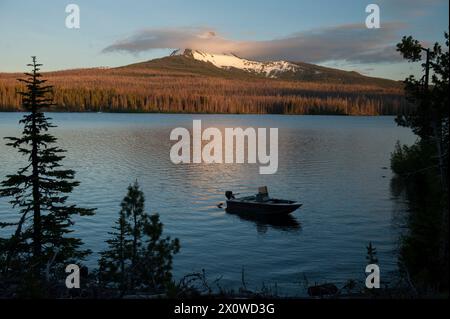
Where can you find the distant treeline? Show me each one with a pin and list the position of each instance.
(146, 90)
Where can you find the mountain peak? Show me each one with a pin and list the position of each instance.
(183, 52)
(270, 69)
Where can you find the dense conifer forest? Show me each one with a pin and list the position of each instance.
(139, 88)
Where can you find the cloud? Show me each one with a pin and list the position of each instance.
(351, 42)
(194, 38)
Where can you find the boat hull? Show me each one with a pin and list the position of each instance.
(241, 207)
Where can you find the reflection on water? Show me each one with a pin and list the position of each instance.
(333, 165)
(285, 223)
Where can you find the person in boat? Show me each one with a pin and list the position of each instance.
(263, 194)
(229, 195)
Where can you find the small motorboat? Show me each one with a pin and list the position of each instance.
(260, 204)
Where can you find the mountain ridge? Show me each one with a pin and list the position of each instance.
(229, 65)
(195, 62)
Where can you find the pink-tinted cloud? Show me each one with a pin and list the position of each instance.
(352, 42)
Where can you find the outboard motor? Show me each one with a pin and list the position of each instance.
(229, 195)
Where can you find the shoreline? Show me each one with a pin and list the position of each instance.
(206, 113)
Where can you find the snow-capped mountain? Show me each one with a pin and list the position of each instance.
(230, 66)
(271, 69)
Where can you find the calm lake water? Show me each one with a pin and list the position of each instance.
(335, 166)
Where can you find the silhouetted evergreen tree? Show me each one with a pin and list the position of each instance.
(114, 262)
(156, 263)
(431, 119)
(133, 208)
(137, 257)
(423, 167)
(40, 246)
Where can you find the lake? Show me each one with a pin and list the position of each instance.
(335, 166)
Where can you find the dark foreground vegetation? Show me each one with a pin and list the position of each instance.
(422, 172)
(34, 258)
(149, 87)
(138, 260)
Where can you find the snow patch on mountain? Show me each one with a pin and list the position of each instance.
(227, 61)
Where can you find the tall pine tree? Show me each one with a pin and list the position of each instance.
(115, 261)
(137, 258)
(40, 245)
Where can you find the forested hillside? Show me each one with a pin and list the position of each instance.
(174, 86)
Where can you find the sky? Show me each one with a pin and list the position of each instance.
(116, 33)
